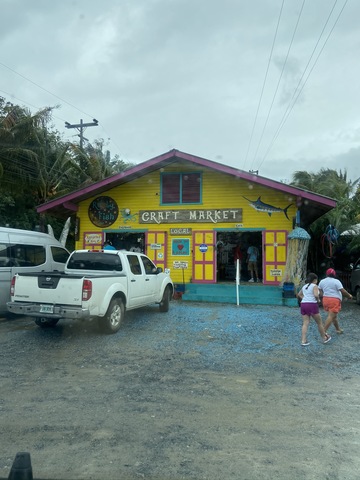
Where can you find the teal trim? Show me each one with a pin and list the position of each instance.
(242, 229)
(126, 230)
(250, 294)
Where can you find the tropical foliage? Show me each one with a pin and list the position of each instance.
(327, 246)
(36, 164)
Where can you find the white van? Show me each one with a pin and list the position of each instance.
(26, 251)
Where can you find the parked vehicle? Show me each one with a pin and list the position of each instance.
(27, 251)
(355, 281)
(95, 284)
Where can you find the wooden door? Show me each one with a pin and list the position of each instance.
(156, 248)
(204, 257)
(274, 256)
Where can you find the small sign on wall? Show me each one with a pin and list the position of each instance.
(178, 264)
(180, 246)
(93, 238)
(276, 272)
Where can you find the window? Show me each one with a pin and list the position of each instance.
(95, 261)
(134, 264)
(27, 255)
(59, 254)
(150, 268)
(180, 188)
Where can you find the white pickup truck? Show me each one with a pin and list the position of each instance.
(95, 284)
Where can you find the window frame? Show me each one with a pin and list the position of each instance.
(181, 175)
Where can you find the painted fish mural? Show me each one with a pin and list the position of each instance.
(260, 206)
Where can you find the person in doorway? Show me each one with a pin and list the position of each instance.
(238, 256)
(309, 297)
(252, 259)
(108, 246)
(331, 291)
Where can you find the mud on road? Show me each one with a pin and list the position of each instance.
(205, 391)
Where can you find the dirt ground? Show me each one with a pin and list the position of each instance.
(205, 391)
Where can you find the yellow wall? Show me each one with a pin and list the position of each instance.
(219, 191)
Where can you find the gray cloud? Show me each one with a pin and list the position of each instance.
(159, 74)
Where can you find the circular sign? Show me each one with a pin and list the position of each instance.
(103, 211)
(203, 248)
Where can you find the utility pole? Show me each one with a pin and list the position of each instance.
(80, 127)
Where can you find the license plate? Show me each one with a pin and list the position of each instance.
(46, 308)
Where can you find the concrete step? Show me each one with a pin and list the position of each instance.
(254, 294)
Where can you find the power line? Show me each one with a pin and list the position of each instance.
(278, 84)
(297, 92)
(42, 88)
(54, 95)
(264, 82)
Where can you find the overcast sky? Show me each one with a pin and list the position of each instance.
(266, 85)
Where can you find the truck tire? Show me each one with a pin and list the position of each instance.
(357, 296)
(46, 322)
(111, 322)
(164, 304)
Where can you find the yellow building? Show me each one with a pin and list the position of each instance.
(188, 214)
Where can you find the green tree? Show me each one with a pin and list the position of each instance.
(323, 246)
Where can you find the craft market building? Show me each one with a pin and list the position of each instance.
(188, 213)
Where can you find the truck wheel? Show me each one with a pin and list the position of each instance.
(164, 304)
(114, 316)
(357, 296)
(46, 322)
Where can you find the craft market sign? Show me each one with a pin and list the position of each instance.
(229, 215)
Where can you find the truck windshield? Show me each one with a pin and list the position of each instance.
(95, 261)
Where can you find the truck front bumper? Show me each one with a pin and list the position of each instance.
(47, 311)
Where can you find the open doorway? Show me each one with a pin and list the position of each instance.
(228, 245)
(132, 241)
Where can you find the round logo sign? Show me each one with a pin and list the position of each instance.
(203, 248)
(103, 211)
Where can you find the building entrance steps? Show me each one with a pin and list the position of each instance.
(253, 294)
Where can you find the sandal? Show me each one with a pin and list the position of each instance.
(327, 339)
(305, 344)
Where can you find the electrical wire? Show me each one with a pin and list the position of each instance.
(264, 83)
(54, 95)
(278, 83)
(298, 91)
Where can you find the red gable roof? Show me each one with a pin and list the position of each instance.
(316, 205)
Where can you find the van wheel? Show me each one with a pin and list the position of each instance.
(164, 304)
(111, 322)
(357, 296)
(46, 322)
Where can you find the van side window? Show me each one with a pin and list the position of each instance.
(59, 254)
(27, 255)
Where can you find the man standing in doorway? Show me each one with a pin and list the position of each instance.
(252, 259)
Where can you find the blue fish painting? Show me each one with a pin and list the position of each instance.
(260, 206)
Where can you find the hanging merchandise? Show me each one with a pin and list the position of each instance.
(328, 239)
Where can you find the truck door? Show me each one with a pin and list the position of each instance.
(138, 292)
(151, 278)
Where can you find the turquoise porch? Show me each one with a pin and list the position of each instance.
(253, 294)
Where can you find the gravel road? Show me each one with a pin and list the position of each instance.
(205, 391)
